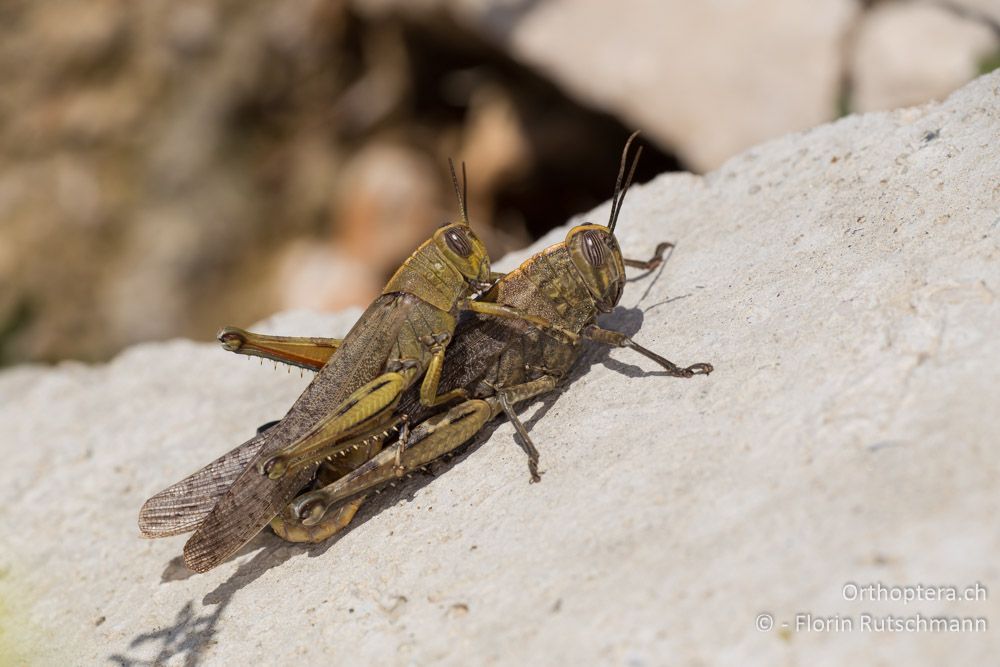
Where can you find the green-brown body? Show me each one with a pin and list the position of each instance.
(490, 358)
(399, 337)
(254, 499)
(489, 353)
(502, 363)
(547, 303)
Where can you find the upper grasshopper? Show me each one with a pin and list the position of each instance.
(350, 404)
(498, 363)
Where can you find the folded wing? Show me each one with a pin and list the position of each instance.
(254, 499)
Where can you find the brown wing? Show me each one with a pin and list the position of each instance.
(180, 507)
(254, 499)
(473, 355)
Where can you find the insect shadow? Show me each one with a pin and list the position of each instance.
(191, 633)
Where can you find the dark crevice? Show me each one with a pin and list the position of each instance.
(574, 149)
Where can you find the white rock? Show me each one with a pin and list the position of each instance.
(906, 53)
(844, 283)
(980, 10)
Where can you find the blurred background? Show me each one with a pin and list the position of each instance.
(169, 167)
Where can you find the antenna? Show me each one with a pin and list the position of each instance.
(619, 194)
(459, 192)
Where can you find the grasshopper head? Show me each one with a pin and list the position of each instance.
(596, 255)
(458, 245)
(594, 250)
(461, 248)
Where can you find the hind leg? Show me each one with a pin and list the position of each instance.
(309, 353)
(289, 528)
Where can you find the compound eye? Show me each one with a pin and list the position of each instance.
(458, 243)
(595, 251)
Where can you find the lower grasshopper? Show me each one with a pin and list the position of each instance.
(499, 363)
(349, 406)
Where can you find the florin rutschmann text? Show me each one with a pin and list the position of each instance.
(877, 593)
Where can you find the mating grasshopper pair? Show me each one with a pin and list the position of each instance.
(309, 473)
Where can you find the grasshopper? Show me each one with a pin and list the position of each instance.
(498, 363)
(350, 404)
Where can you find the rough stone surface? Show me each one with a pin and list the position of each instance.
(844, 283)
(909, 53)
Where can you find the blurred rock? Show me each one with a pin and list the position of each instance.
(706, 79)
(495, 137)
(77, 34)
(138, 151)
(163, 163)
(906, 53)
(322, 278)
(980, 10)
(387, 196)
